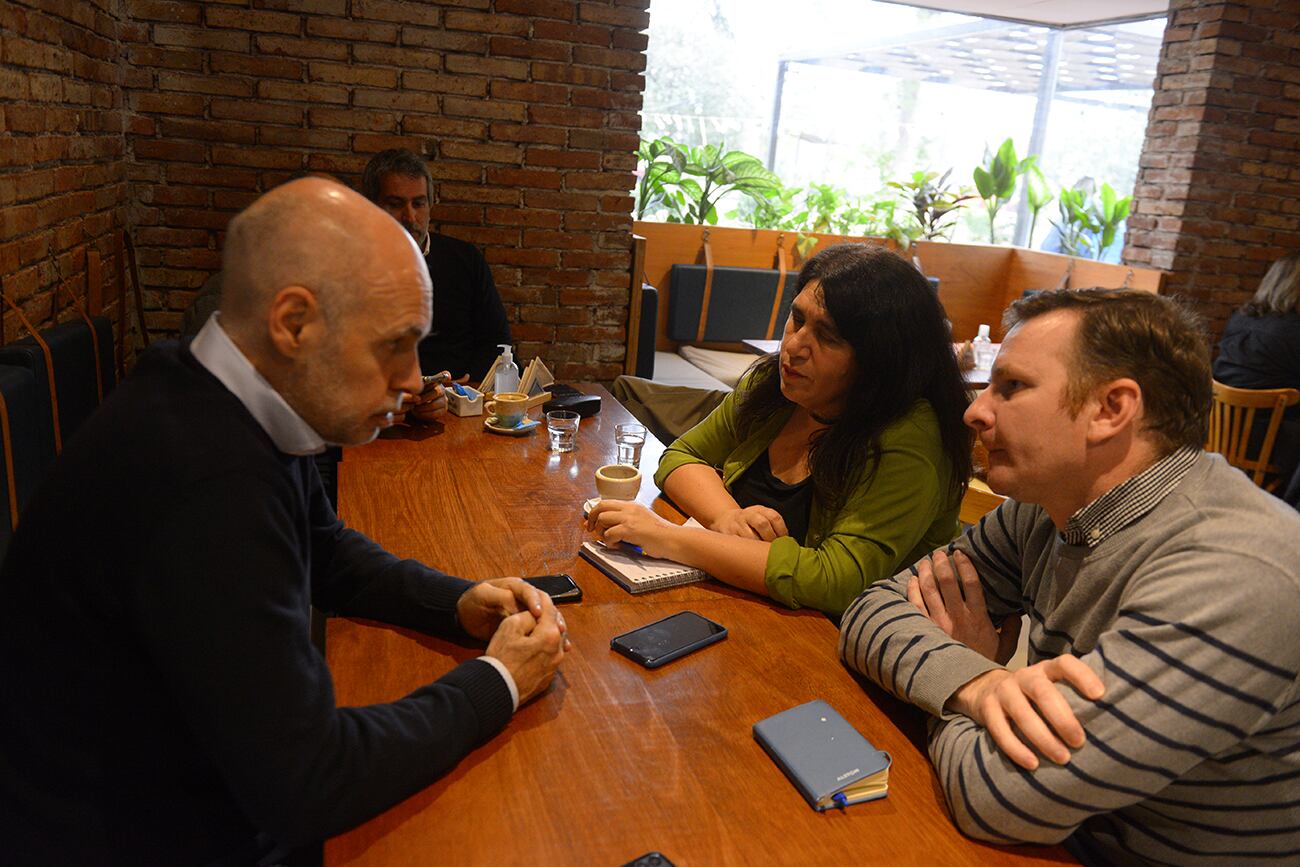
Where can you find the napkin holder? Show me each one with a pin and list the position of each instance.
(469, 403)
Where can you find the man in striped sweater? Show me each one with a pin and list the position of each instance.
(1159, 719)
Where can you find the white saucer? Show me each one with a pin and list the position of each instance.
(524, 427)
(589, 505)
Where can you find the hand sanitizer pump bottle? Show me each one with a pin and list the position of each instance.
(507, 376)
(982, 349)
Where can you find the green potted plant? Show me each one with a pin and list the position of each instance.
(934, 203)
(996, 180)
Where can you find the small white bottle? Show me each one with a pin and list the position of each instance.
(982, 349)
(507, 376)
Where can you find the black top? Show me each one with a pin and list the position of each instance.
(468, 318)
(1261, 352)
(757, 486)
(160, 699)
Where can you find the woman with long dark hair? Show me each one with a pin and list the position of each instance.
(837, 460)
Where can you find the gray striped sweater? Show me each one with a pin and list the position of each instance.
(1191, 617)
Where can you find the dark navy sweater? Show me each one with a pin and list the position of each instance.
(160, 699)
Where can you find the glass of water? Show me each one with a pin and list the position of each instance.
(562, 426)
(629, 438)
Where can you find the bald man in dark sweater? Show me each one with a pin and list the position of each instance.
(162, 700)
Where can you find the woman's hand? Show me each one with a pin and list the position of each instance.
(625, 521)
(752, 522)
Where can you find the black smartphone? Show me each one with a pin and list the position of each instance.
(561, 588)
(650, 859)
(671, 638)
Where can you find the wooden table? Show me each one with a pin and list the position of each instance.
(615, 760)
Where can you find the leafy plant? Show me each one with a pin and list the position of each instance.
(1090, 219)
(1037, 196)
(933, 202)
(719, 172)
(778, 211)
(663, 164)
(1108, 211)
(826, 205)
(996, 179)
(1077, 228)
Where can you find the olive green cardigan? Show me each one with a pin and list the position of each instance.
(888, 522)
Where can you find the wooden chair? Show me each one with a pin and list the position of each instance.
(978, 501)
(1232, 416)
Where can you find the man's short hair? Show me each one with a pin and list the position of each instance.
(397, 161)
(1156, 341)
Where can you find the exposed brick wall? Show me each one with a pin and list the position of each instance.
(1218, 190)
(63, 186)
(168, 116)
(528, 111)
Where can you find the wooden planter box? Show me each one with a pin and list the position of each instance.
(977, 281)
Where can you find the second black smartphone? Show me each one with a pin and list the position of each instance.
(561, 588)
(671, 638)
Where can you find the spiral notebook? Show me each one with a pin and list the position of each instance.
(637, 573)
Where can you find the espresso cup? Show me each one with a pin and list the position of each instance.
(618, 482)
(509, 407)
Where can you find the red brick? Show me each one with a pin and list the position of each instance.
(528, 133)
(395, 100)
(613, 58)
(157, 149)
(144, 55)
(561, 9)
(463, 64)
(161, 10)
(367, 143)
(485, 23)
(566, 117)
(416, 124)
(191, 37)
(562, 158)
(344, 74)
(256, 158)
(302, 92)
(390, 10)
(317, 7)
(556, 240)
(203, 84)
(347, 118)
(523, 217)
(598, 13)
(248, 19)
(530, 179)
(549, 200)
(439, 83)
(261, 67)
(568, 74)
(445, 213)
(556, 315)
(488, 109)
(356, 31)
(288, 137)
(262, 112)
(590, 34)
(492, 153)
(388, 55)
(509, 46)
(555, 94)
(470, 43)
(290, 47)
(480, 194)
(208, 130)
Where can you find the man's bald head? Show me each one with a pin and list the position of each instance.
(312, 233)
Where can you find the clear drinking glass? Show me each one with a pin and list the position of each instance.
(562, 427)
(629, 438)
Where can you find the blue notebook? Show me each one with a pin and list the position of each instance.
(827, 760)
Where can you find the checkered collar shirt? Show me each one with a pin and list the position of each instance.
(1129, 500)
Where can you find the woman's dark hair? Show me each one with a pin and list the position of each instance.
(902, 350)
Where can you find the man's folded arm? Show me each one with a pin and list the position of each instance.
(221, 614)
(1188, 676)
(886, 638)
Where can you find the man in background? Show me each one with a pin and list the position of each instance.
(1162, 589)
(469, 321)
(163, 702)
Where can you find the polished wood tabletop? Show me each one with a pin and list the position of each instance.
(615, 760)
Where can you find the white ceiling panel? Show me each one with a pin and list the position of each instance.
(1054, 13)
